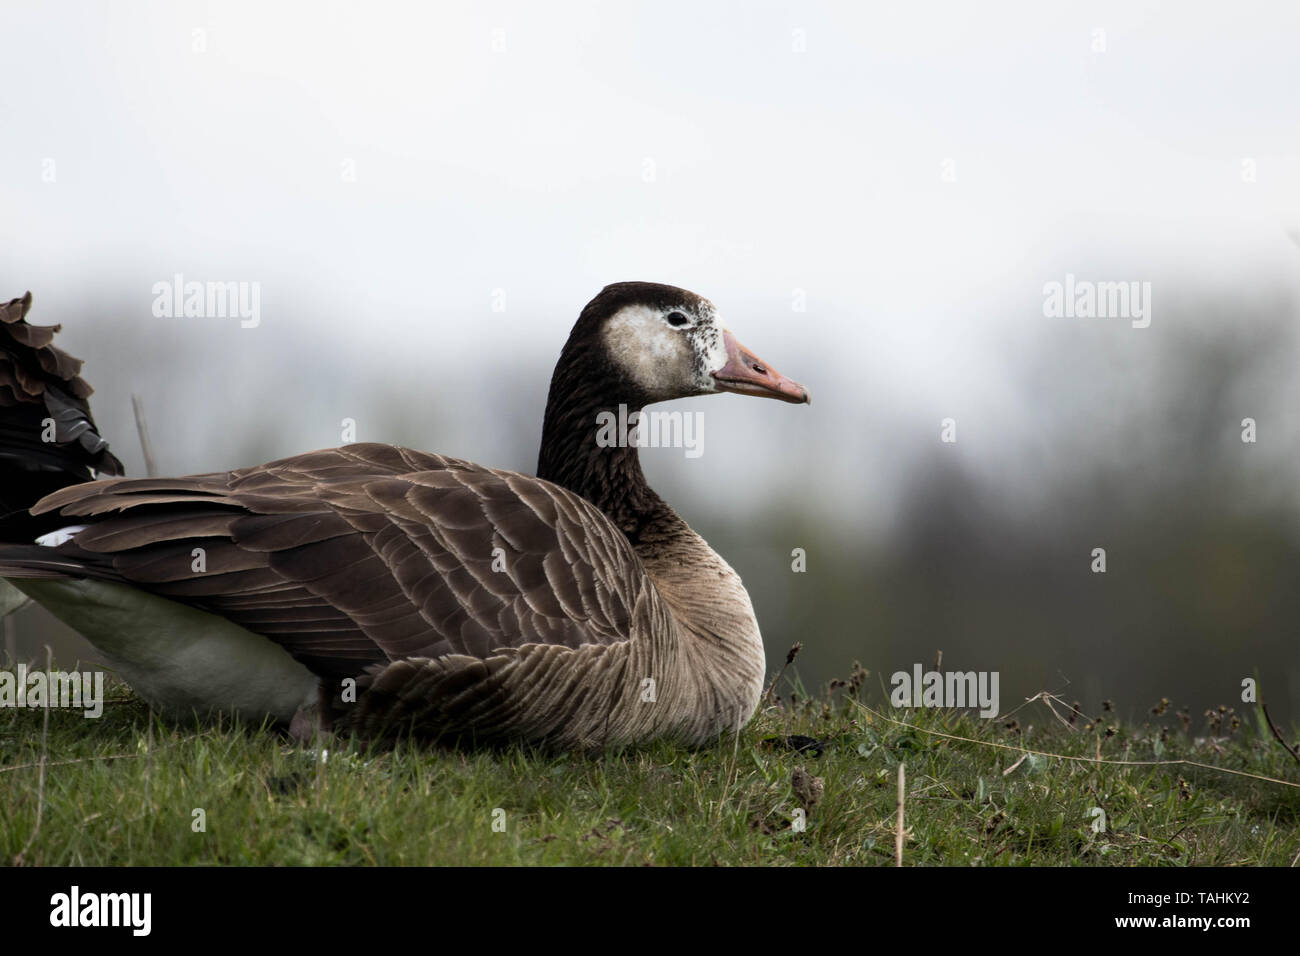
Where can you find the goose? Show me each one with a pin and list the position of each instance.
(377, 590)
(47, 436)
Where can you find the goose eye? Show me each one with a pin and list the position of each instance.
(677, 319)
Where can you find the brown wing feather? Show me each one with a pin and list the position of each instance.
(370, 553)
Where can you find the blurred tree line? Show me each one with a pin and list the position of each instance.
(1129, 444)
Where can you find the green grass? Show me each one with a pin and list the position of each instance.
(122, 790)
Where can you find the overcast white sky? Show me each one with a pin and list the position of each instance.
(506, 146)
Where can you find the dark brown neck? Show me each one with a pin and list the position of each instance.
(608, 477)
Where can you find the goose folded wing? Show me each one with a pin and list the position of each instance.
(368, 553)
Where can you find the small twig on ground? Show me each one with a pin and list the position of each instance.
(148, 758)
(1073, 757)
(11, 640)
(142, 429)
(789, 659)
(322, 755)
(1050, 699)
(1278, 734)
(61, 763)
(40, 783)
(899, 833)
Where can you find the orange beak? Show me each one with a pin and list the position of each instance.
(747, 374)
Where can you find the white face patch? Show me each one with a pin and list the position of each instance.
(709, 345)
(716, 355)
(667, 361)
(657, 357)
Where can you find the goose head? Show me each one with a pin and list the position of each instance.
(658, 342)
(634, 344)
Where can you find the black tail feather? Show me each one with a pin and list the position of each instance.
(34, 561)
(48, 438)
